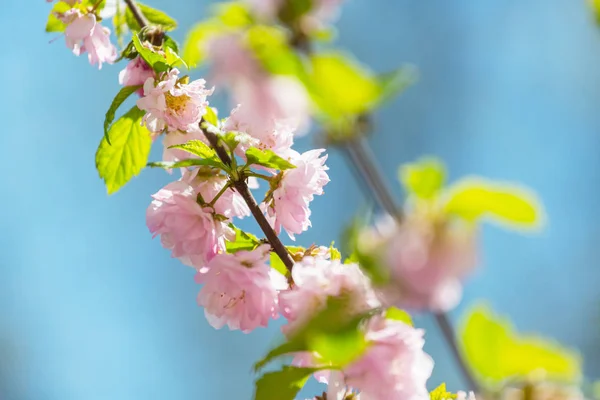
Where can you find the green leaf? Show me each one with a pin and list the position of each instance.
(395, 82)
(424, 178)
(474, 198)
(332, 333)
(243, 241)
(267, 158)
(397, 314)
(277, 264)
(120, 23)
(292, 10)
(211, 116)
(156, 61)
(170, 43)
(231, 140)
(54, 24)
(595, 4)
(173, 58)
(197, 148)
(233, 14)
(194, 51)
(340, 86)
(367, 260)
(440, 393)
(154, 16)
(497, 353)
(128, 152)
(334, 253)
(123, 94)
(282, 385)
(270, 45)
(190, 162)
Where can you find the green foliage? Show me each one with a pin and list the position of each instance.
(397, 314)
(440, 393)
(169, 42)
(497, 353)
(154, 16)
(277, 264)
(211, 116)
(156, 61)
(395, 82)
(123, 94)
(367, 261)
(54, 24)
(128, 152)
(229, 17)
(473, 199)
(333, 334)
(190, 162)
(292, 10)
(243, 241)
(207, 154)
(120, 23)
(282, 385)
(270, 45)
(424, 178)
(267, 158)
(595, 4)
(340, 86)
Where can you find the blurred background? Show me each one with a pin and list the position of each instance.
(93, 308)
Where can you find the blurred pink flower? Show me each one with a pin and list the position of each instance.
(265, 98)
(289, 207)
(190, 231)
(427, 262)
(136, 73)
(84, 33)
(394, 365)
(316, 279)
(240, 290)
(171, 104)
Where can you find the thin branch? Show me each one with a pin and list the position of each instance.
(137, 13)
(242, 187)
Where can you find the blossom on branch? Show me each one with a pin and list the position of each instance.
(85, 34)
(172, 104)
(136, 73)
(287, 205)
(240, 290)
(193, 232)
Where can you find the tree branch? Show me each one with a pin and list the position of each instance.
(137, 13)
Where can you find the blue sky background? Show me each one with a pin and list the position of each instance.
(93, 308)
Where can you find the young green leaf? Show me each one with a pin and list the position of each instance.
(233, 14)
(153, 59)
(474, 198)
(197, 148)
(243, 241)
(424, 178)
(211, 116)
(397, 314)
(170, 43)
(270, 45)
(154, 16)
(497, 353)
(282, 385)
(395, 82)
(190, 162)
(128, 152)
(277, 264)
(123, 94)
(54, 24)
(440, 393)
(194, 51)
(267, 158)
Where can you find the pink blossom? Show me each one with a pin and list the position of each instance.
(240, 290)
(394, 365)
(321, 13)
(289, 206)
(427, 263)
(83, 34)
(230, 203)
(136, 73)
(172, 104)
(190, 231)
(316, 279)
(464, 396)
(277, 136)
(266, 98)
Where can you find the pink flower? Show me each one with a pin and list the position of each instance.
(266, 98)
(464, 396)
(190, 231)
(394, 365)
(321, 13)
(136, 73)
(288, 207)
(171, 104)
(240, 290)
(427, 263)
(316, 279)
(277, 136)
(83, 34)
(230, 203)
